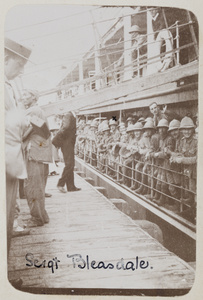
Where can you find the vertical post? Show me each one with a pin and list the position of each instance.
(120, 116)
(132, 173)
(127, 47)
(166, 23)
(152, 49)
(118, 168)
(106, 163)
(177, 44)
(152, 178)
(81, 87)
(138, 62)
(97, 59)
(193, 34)
(181, 191)
(90, 153)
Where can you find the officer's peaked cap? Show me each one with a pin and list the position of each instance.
(17, 48)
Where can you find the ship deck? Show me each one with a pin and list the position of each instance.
(86, 223)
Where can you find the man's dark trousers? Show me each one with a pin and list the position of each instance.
(68, 171)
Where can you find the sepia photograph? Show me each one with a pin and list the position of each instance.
(101, 148)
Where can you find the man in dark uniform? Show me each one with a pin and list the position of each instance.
(65, 139)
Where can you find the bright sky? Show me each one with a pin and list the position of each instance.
(58, 35)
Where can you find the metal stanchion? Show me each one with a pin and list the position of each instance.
(152, 178)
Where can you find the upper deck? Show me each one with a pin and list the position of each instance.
(117, 74)
(176, 85)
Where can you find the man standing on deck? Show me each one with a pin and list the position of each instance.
(15, 58)
(65, 139)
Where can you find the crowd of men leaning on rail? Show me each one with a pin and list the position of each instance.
(156, 157)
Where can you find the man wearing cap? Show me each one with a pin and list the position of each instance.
(139, 45)
(138, 49)
(163, 39)
(15, 58)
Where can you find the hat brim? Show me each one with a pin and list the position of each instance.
(24, 57)
(171, 129)
(189, 127)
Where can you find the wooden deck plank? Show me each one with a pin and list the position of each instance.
(87, 223)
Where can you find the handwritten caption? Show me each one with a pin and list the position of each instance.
(80, 262)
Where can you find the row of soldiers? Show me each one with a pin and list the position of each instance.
(158, 162)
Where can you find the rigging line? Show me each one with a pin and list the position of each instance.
(52, 20)
(74, 62)
(85, 25)
(101, 55)
(120, 68)
(114, 52)
(102, 48)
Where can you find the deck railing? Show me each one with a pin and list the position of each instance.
(119, 171)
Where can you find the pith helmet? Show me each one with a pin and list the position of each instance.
(138, 126)
(94, 124)
(163, 123)
(135, 28)
(174, 124)
(130, 128)
(89, 122)
(142, 120)
(149, 119)
(112, 122)
(149, 125)
(121, 124)
(186, 122)
(105, 128)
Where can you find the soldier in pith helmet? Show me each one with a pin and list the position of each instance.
(187, 157)
(103, 147)
(162, 159)
(173, 176)
(141, 168)
(129, 151)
